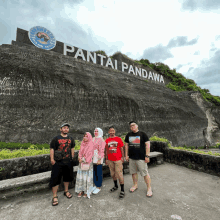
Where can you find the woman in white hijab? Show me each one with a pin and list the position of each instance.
(99, 147)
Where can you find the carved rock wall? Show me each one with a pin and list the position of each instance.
(40, 90)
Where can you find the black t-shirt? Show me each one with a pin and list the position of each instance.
(64, 144)
(136, 143)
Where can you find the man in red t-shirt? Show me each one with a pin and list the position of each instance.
(115, 159)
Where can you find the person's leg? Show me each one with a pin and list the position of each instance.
(67, 178)
(66, 192)
(133, 171)
(148, 182)
(95, 175)
(56, 175)
(111, 165)
(100, 177)
(143, 168)
(55, 197)
(98, 183)
(119, 173)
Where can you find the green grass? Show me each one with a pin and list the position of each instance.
(8, 154)
(28, 149)
(12, 145)
(195, 151)
(15, 150)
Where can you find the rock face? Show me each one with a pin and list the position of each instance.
(40, 90)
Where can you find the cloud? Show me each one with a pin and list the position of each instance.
(208, 72)
(217, 37)
(160, 53)
(179, 66)
(197, 52)
(206, 5)
(181, 41)
(157, 54)
(52, 15)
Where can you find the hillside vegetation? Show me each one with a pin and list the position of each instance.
(179, 82)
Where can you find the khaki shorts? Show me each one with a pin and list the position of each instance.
(138, 165)
(116, 168)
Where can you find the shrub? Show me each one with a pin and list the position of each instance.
(7, 154)
(155, 138)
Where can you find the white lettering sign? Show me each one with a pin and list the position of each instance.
(92, 57)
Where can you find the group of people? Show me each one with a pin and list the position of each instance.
(91, 154)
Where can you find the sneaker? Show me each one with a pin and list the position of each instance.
(96, 191)
(93, 188)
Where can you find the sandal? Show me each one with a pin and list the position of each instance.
(80, 194)
(69, 195)
(121, 195)
(114, 189)
(54, 203)
(132, 189)
(148, 193)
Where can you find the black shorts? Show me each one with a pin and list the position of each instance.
(59, 170)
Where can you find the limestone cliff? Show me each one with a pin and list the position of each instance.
(40, 90)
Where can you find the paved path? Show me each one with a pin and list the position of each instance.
(190, 194)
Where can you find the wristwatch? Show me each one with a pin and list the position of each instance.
(147, 156)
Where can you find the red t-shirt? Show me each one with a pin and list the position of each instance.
(113, 146)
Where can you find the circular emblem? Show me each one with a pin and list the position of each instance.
(42, 38)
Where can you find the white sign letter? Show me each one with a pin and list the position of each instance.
(161, 79)
(131, 69)
(124, 66)
(138, 71)
(79, 53)
(145, 76)
(150, 76)
(89, 55)
(65, 49)
(109, 62)
(101, 58)
(156, 77)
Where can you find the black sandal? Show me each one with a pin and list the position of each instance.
(54, 203)
(114, 189)
(121, 195)
(65, 194)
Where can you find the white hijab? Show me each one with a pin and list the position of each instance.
(100, 131)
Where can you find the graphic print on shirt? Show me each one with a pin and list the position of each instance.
(134, 141)
(64, 146)
(112, 146)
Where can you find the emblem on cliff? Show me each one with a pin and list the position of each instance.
(42, 38)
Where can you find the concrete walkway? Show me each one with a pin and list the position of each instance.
(190, 194)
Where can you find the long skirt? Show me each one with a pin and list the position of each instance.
(84, 180)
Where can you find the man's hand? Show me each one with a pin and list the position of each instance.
(122, 159)
(147, 160)
(80, 161)
(98, 162)
(53, 162)
(127, 158)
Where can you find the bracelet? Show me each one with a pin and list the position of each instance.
(147, 156)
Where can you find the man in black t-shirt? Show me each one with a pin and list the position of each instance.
(137, 145)
(61, 154)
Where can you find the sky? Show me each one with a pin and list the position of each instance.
(183, 34)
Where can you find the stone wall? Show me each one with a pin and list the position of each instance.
(201, 162)
(23, 166)
(42, 89)
(36, 164)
